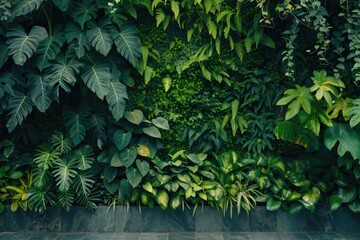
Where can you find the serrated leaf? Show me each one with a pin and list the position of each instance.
(22, 45)
(134, 117)
(349, 140)
(152, 132)
(121, 139)
(127, 43)
(99, 35)
(128, 156)
(134, 176)
(39, 91)
(161, 123)
(20, 106)
(97, 78)
(23, 7)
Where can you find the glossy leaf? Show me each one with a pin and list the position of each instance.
(135, 117)
(63, 5)
(83, 12)
(99, 35)
(19, 106)
(128, 156)
(116, 98)
(121, 139)
(143, 167)
(152, 132)
(134, 176)
(97, 78)
(161, 123)
(23, 7)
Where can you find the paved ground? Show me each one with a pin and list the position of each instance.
(181, 236)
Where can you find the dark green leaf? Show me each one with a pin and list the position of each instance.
(110, 173)
(116, 98)
(39, 91)
(97, 78)
(84, 157)
(161, 123)
(23, 7)
(134, 117)
(77, 39)
(99, 35)
(134, 176)
(63, 5)
(128, 156)
(64, 174)
(19, 106)
(272, 204)
(76, 123)
(121, 139)
(4, 52)
(83, 12)
(143, 167)
(335, 202)
(152, 132)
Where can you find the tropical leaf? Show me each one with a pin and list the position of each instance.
(21, 45)
(354, 112)
(121, 139)
(152, 132)
(83, 12)
(20, 106)
(161, 123)
(349, 140)
(84, 157)
(116, 97)
(61, 143)
(66, 199)
(49, 48)
(76, 123)
(99, 35)
(134, 176)
(117, 16)
(77, 39)
(64, 173)
(7, 80)
(127, 43)
(83, 184)
(98, 126)
(63, 5)
(39, 91)
(299, 97)
(45, 157)
(39, 199)
(89, 201)
(41, 177)
(4, 52)
(23, 7)
(97, 78)
(128, 156)
(63, 73)
(135, 116)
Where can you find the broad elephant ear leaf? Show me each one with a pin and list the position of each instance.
(127, 43)
(20, 105)
(49, 48)
(349, 140)
(99, 35)
(39, 91)
(24, 7)
(22, 45)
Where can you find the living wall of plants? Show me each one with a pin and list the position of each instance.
(180, 103)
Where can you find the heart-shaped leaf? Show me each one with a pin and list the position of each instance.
(134, 117)
(121, 139)
(273, 205)
(134, 176)
(113, 186)
(335, 202)
(128, 156)
(63, 5)
(143, 150)
(143, 167)
(161, 123)
(109, 173)
(152, 132)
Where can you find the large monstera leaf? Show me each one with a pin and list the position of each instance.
(116, 96)
(97, 78)
(349, 140)
(64, 174)
(20, 105)
(76, 123)
(49, 48)
(83, 12)
(127, 43)
(22, 45)
(77, 39)
(39, 91)
(99, 35)
(24, 7)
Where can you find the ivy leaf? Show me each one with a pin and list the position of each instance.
(83, 12)
(121, 139)
(20, 106)
(116, 98)
(349, 140)
(24, 7)
(63, 72)
(134, 176)
(97, 78)
(76, 123)
(99, 35)
(128, 156)
(299, 97)
(127, 43)
(77, 39)
(135, 116)
(22, 45)
(152, 132)
(39, 91)
(354, 112)
(49, 48)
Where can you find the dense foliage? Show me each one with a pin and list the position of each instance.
(180, 103)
